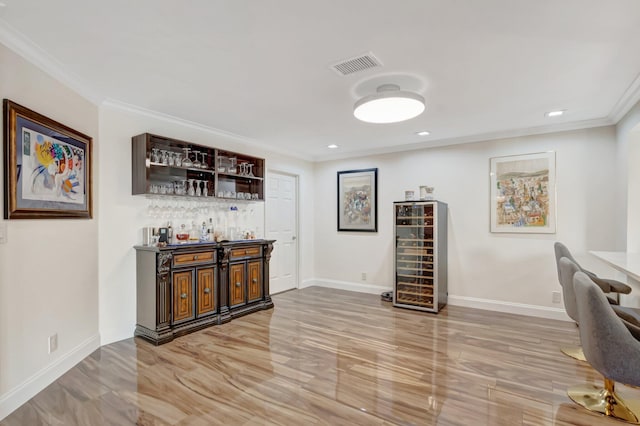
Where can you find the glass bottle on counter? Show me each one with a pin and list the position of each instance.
(203, 232)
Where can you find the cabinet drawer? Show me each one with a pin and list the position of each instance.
(193, 258)
(251, 251)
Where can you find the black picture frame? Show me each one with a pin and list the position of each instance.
(357, 201)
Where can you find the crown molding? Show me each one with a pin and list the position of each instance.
(629, 98)
(503, 134)
(167, 118)
(33, 53)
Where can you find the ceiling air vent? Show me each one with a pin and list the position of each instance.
(356, 64)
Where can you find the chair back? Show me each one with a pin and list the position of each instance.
(562, 251)
(607, 344)
(567, 270)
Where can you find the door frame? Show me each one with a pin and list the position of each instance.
(296, 179)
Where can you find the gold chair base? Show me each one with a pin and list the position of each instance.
(574, 352)
(604, 401)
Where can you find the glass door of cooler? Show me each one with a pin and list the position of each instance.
(415, 257)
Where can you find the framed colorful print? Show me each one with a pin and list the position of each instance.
(523, 193)
(358, 200)
(47, 167)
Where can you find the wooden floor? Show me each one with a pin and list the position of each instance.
(331, 357)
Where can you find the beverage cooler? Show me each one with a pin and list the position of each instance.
(420, 255)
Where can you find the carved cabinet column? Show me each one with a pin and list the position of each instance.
(265, 274)
(223, 259)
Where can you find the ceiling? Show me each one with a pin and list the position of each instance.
(261, 69)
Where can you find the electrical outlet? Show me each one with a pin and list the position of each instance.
(364, 276)
(555, 296)
(53, 343)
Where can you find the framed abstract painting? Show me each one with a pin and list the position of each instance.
(47, 167)
(523, 193)
(358, 200)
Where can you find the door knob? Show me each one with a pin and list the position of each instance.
(207, 290)
(293, 238)
(183, 296)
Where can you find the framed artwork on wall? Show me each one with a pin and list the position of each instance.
(523, 193)
(47, 167)
(358, 200)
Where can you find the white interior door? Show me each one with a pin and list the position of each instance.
(282, 226)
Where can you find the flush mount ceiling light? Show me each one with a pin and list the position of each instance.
(423, 133)
(332, 146)
(389, 105)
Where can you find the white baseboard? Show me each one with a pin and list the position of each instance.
(345, 285)
(20, 394)
(113, 335)
(469, 302)
(510, 307)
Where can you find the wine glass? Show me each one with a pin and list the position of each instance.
(232, 165)
(155, 155)
(221, 164)
(197, 164)
(204, 165)
(178, 159)
(186, 162)
(198, 190)
(250, 166)
(165, 156)
(191, 191)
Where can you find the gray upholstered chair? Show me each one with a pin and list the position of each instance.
(607, 285)
(609, 347)
(566, 271)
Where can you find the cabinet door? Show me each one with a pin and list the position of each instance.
(182, 296)
(236, 284)
(254, 270)
(206, 299)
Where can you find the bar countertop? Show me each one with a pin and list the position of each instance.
(204, 245)
(629, 263)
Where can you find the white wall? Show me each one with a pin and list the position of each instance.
(122, 215)
(489, 270)
(633, 192)
(48, 268)
(628, 137)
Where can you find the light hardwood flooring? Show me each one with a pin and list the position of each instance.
(331, 357)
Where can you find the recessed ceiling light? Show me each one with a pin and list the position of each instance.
(423, 133)
(555, 113)
(332, 146)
